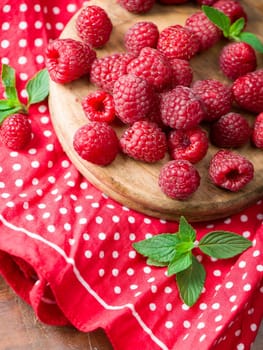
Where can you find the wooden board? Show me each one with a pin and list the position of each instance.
(133, 183)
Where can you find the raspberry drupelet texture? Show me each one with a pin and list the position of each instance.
(232, 130)
(68, 59)
(94, 26)
(257, 133)
(137, 6)
(96, 142)
(179, 179)
(182, 72)
(180, 108)
(215, 96)
(16, 131)
(99, 106)
(231, 8)
(237, 59)
(144, 141)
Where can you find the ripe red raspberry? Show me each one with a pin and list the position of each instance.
(68, 59)
(216, 98)
(137, 6)
(96, 142)
(179, 179)
(237, 59)
(207, 33)
(178, 42)
(141, 34)
(257, 133)
(248, 92)
(231, 8)
(180, 109)
(94, 26)
(182, 72)
(106, 70)
(152, 66)
(230, 170)
(99, 106)
(191, 144)
(15, 131)
(232, 130)
(133, 97)
(144, 141)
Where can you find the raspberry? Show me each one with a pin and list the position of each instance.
(205, 2)
(207, 33)
(94, 26)
(144, 141)
(15, 131)
(180, 109)
(96, 142)
(237, 59)
(179, 179)
(230, 170)
(248, 91)
(191, 144)
(141, 34)
(178, 42)
(68, 59)
(137, 6)
(257, 133)
(231, 130)
(106, 70)
(216, 97)
(98, 106)
(133, 97)
(182, 72)
(231, 8)
(152, 66)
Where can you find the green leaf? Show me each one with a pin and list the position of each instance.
(252, 40)
(38, 87)
(5, 113)
(160, 248)
(9, 82)
(223, 244)
(191, 281)
(152, 262)
(186, 232)
(236, 28)
(218, 18)
(4, 105)
(180, 263)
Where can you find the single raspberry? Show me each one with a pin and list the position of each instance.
(96, 142)
(191, 144)
(133, 97)
(182, 72)
(257, 133)
(68, 59)
(94, 26)
(144, 141)
(231, 8)
(230, 170)
(179, 179)
(178, 42)
(216, 97)
(232, 130)
(106, 70)
(99, 106)
(248, 91)
(141, 34)
(152, 66)
(15, 131)
(207, 32)
(180, 108)
(137, 6)
(237, 59)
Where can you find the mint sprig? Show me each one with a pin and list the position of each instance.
(174, 250)
(233, 31)
(37, 90)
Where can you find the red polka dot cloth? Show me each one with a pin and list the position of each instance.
(66, 248)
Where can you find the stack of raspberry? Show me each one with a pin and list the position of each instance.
(149, 88)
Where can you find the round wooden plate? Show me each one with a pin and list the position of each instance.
(133, 183)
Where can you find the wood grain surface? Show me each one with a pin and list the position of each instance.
(133, 183)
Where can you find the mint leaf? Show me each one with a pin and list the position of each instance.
(160, 248)
(5, 113)
(180, 263)
(252, 40)
(236, 28)
(152, 262)
(191, 281)
(186, 232)
(38, 87)
(4, 105)
(9, 82)
(218, 18)
(223, 244)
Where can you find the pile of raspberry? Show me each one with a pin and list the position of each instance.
(149, 88)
